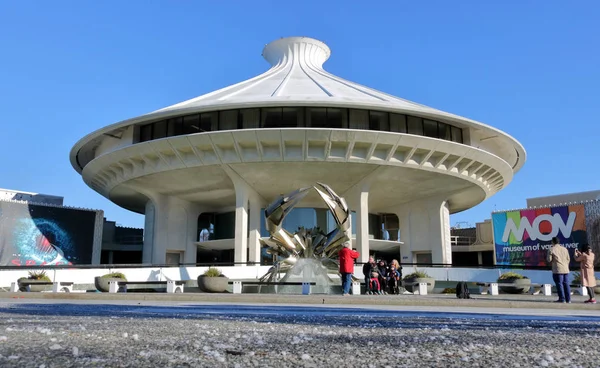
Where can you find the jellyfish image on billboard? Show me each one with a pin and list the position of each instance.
(33, 234)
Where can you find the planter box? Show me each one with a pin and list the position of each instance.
(33, 287)
(213, 284)
(408, 283)
(523, 286)
(102, 282)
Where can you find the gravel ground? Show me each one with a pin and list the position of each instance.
(68, 335)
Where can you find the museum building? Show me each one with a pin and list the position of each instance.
(203, 170)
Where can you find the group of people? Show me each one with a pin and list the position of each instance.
(559, 257)
(380, 278)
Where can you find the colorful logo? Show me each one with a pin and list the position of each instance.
(523, 237)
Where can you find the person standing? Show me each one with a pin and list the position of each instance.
(383, 275)
(588, 278)
(347, 257)
(559, 257)
(368, 268)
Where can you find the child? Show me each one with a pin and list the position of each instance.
(393, 280)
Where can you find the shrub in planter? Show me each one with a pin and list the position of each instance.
(32, 279)
(213, 281)
(418, 276)
(522, 283)
(102, 282)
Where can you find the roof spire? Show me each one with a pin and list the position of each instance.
(286, 50)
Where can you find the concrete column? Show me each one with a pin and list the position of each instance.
(362, 226)
(170, 225)
(253, 241)
(192, 234)
(241, 224)
(425, 227)
(161, 230)
(148, 232)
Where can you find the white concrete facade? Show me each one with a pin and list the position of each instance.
(173, 178)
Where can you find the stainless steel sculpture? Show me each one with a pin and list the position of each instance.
(307, 253)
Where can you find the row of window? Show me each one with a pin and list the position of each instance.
(293, 117)
(217, 226)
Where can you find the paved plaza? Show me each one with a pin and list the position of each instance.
(132, 332)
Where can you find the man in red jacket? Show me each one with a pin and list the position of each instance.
(347, 257)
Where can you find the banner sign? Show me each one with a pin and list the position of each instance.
(32, 234)
(523, 237)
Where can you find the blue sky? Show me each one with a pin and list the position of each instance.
(530, 68)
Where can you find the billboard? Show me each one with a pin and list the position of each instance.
(523, 237)
(35, 234)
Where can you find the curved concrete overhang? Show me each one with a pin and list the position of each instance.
(398, 167)
(91, 141)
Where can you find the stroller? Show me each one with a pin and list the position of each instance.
(374, 287)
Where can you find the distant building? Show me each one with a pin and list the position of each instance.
(473, 246)
(36, 229)
(563, 199)
(15, 195)
(121, 245)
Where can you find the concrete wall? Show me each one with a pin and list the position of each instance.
(86, 276)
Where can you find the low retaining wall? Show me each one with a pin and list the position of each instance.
(86, 276)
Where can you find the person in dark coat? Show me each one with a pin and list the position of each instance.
(383, 273)
(347, 257)
(369, 268)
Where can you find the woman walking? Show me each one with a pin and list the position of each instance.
(588, 279)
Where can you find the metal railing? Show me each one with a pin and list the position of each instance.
(230, 264)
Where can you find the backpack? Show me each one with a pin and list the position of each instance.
(462, 291)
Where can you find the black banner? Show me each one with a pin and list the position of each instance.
(33, 234)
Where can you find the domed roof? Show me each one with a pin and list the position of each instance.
(297, 74)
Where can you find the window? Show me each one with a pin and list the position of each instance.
(175, 127)
(415, 125)
(225, 225)
(160, 129)
(430, 128)
(300, 217)
(271, 117)
(250, 118)
(378, 121)
(146, 133)
(209, 121)
(290, 117)
(173, 258)
(457, 135)
(398, 123)
(337, 118)
(317, 117)
(444, 131)
(191, 124)
(423, 258)
(359, 119)
(228, 120)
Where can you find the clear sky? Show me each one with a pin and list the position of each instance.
(530, 68)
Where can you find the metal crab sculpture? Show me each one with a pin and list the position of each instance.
(305, 247)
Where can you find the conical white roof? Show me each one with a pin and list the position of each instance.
(297, 75)
(297, 78)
